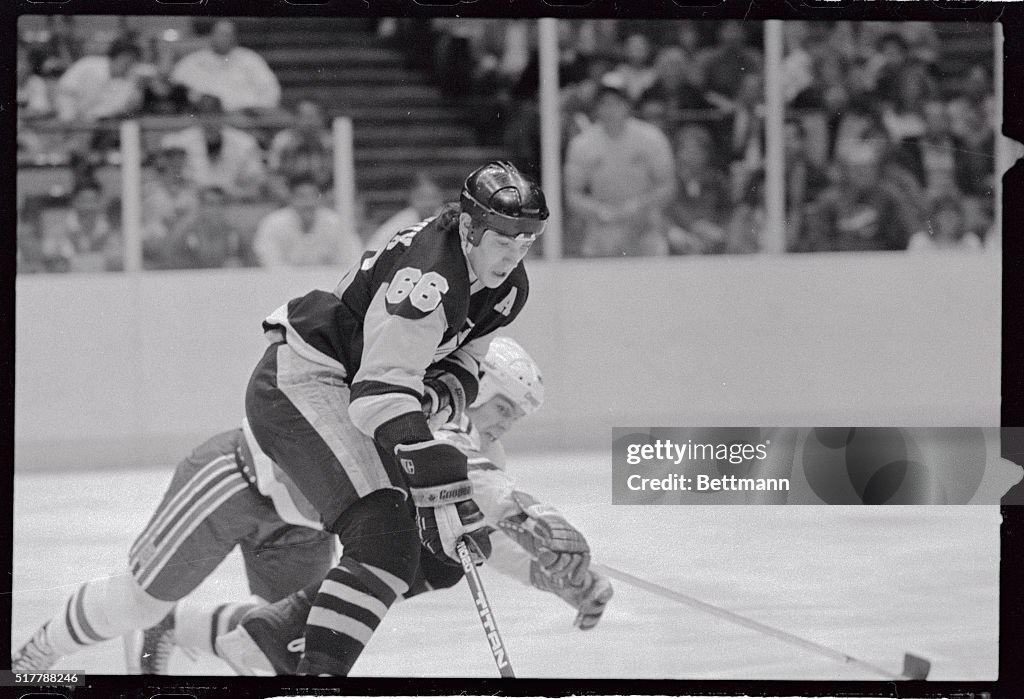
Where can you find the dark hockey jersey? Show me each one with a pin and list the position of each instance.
(413, 304)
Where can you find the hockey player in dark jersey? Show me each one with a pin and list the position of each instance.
(336, 399)
(532, 542)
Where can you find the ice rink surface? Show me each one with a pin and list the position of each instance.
(871, 582)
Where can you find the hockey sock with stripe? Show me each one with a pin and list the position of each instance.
(103, 609)
(349, 606)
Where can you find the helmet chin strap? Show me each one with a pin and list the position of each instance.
(466, 247)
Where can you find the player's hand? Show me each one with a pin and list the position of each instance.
(589, 598)
(444, 398)
(557, 546)
(442, 527)
(442, 494)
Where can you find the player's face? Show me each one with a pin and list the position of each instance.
(494, 417)
(496, 256)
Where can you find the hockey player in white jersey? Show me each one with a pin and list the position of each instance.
(531, 541)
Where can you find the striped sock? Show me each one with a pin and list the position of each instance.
(74, 629)
(347, 610)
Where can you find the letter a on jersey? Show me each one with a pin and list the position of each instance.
(504, 307)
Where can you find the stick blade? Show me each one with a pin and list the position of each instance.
(915, 667)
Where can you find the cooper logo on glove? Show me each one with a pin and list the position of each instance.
(462, 492)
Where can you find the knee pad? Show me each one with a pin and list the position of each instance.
(380, 531)
(433, 574)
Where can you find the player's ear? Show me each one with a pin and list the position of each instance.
(465, 224)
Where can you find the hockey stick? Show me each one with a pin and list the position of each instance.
(914, 667)
(483, 608)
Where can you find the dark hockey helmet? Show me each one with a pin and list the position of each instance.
(500, 198)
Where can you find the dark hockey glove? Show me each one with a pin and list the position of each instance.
(444, 398)
(557, 546)
(589, 598)
(442, 494)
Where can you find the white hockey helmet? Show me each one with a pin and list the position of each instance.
(509, 371)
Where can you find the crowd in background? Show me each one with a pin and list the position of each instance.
(200, 182)
(886, 146)
(663, 147)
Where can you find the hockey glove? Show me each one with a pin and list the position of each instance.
(444, 398)
(557, 546)
(442, 495)
(589, 598)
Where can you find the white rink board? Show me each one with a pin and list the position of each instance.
(870, 582)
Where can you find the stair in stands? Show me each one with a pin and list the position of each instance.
(402, 122)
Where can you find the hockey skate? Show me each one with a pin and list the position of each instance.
(269, 640)
(148, 652)
(240, 651)
(35, 656)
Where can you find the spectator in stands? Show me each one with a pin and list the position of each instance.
(238, 76)
(687, 38)
(804, 180)
(579, 100)
(724, 65)
(205, 239)
(904, 116)
(87, 241)
(459, 61)
(596, 36)
(619, 177)
(857, 212)
(937, 151)
(860, 125)
(161, 95)
(947, 228)
(979, 218)
(303, 149)
(30, 257)
(636, 73)
(425, 200)
(61, 48)
(675, 85)
(32, 94)
(976, 91)
(655, 113)
(905, 188)
(798, 69)
(746, 222)
(886, 65)
(169, 200)
(697, 214)
(97, 87)
(502, 54)
(33, 102)
(919, 40)
(218, 155)
(974, 152)
(305, 232)
(747, 123)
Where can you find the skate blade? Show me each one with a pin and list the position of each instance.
(133, 652)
